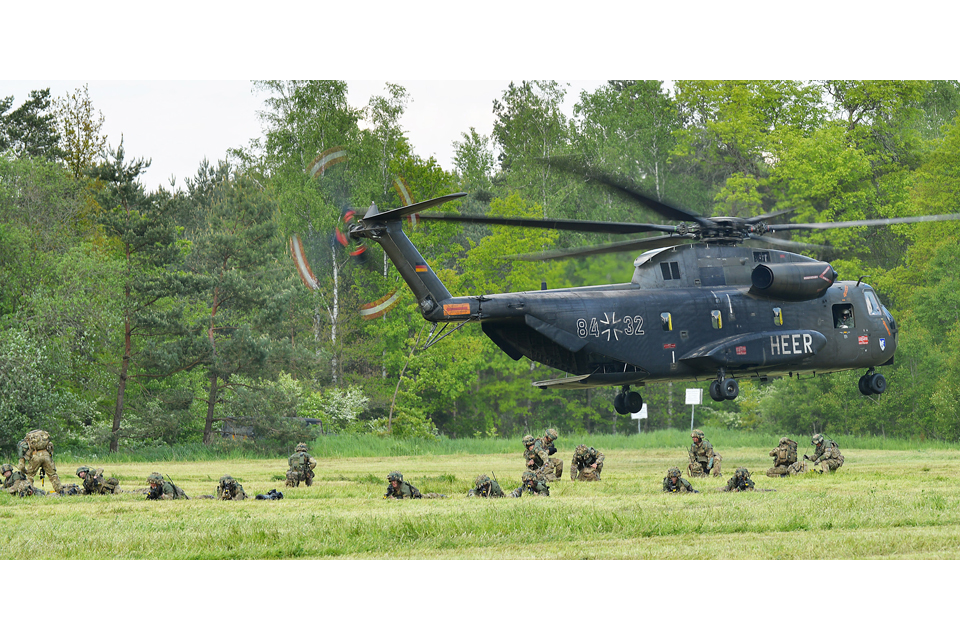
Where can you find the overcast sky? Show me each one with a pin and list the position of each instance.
(178, 123)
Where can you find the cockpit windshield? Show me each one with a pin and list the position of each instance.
(873, 304)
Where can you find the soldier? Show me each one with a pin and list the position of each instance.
(740, 481)
(230, 489)
(39, 455)
(16, 483)
(399, 488)
(784, 459)
(161, 489)
(587, 463)
(827, 454)
(673, 483)
(533, 457)
(530, 483)
(703, 459)
(485, 488)
(301, 468)
(552, 469)
(93, 481)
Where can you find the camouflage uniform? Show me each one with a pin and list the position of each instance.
(93, 482)
(740, 481)
(674, 483)
(485, 488)
(784, 459)
(531, 484)
(552, 468)
(584, 458)
(230, 489)
(22, 449)
(827, 454)
(161, 489)
(401, 489)
(16, 483)
(301, 468)
(39, 455)
(703, 459)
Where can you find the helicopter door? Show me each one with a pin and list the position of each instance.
(880, 338)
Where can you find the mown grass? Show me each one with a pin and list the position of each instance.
(882, 504)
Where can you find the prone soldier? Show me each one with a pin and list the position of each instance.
(93, 482)
(587, 463)
(674, 483)
(827, 454)
(301, 468)
(161, 489)
(740, 481)
(230, 489)
(532, 484)
(703, 459)
(485, 488)
(399, 488)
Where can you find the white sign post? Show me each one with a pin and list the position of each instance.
(640, 415)
(694, 397)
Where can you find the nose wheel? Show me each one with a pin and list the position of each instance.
(872, 384)
(724, 388)
(627, 402)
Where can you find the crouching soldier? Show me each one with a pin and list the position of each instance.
(587, 463)
(301, 468)
(704, 460)
(784, 459)
(530, 483)
(552, 468)
(230, 489)
(161, 489)
(93, 482)
(16, 483)
(827, 454)
(485, 488)
(740, 481)
(674, 483)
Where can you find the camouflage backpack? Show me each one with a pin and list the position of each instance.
(791, 451)
(38, 439)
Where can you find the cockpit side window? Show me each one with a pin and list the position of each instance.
(873, 304)
(843, 316)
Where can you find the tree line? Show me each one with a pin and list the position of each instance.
(133, 317)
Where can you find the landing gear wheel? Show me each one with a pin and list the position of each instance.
(864, 385)
(878, 384)
(634, 402)
(619, 404)
(730, 389)
(715, 391)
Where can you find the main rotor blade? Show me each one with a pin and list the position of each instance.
(621, 186)
(789, 244)
(586, 226)
(643, 244)
(374, 214)
(767, 216)
(863, 223)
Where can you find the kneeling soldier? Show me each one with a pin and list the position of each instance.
(784, 459)
(587, 463)
(827, 454)
(703, 460)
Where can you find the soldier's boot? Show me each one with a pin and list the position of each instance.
(558, 467)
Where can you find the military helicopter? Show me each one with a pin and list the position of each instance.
(700, 306)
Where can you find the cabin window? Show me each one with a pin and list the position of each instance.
(873, 304)
(761, 256)
(716, 320)
(778, 316)
(670, 270)
(666, 321)
(843, 316)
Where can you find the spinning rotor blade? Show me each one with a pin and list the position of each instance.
(862, 223)
(644, 244)
(586, 226)
(788, 244)
(374, 214)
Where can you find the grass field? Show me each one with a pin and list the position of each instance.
(896, 504)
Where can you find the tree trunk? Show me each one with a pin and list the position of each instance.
(211, 403)
(121, 388)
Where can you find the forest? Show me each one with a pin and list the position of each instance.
(132, 318)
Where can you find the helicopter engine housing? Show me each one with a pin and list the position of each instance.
(792, 280)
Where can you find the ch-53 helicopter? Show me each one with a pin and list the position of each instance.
(699, 306)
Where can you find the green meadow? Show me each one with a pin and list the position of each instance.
(882, 504)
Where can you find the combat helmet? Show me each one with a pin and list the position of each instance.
(227, 480)
(394, 475)
(155, 478)
(528, 440)
(302, 447)
(528, 476)
(742, 471)
(784, 440)
(83, 470)
(697, 433)
(817, 439)
(552, 434)
(581, 450)
(482, 480)
(5, 467)
(673, 472)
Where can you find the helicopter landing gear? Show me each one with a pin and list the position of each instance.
(724, 388)
(872, 383)
(627, 401)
